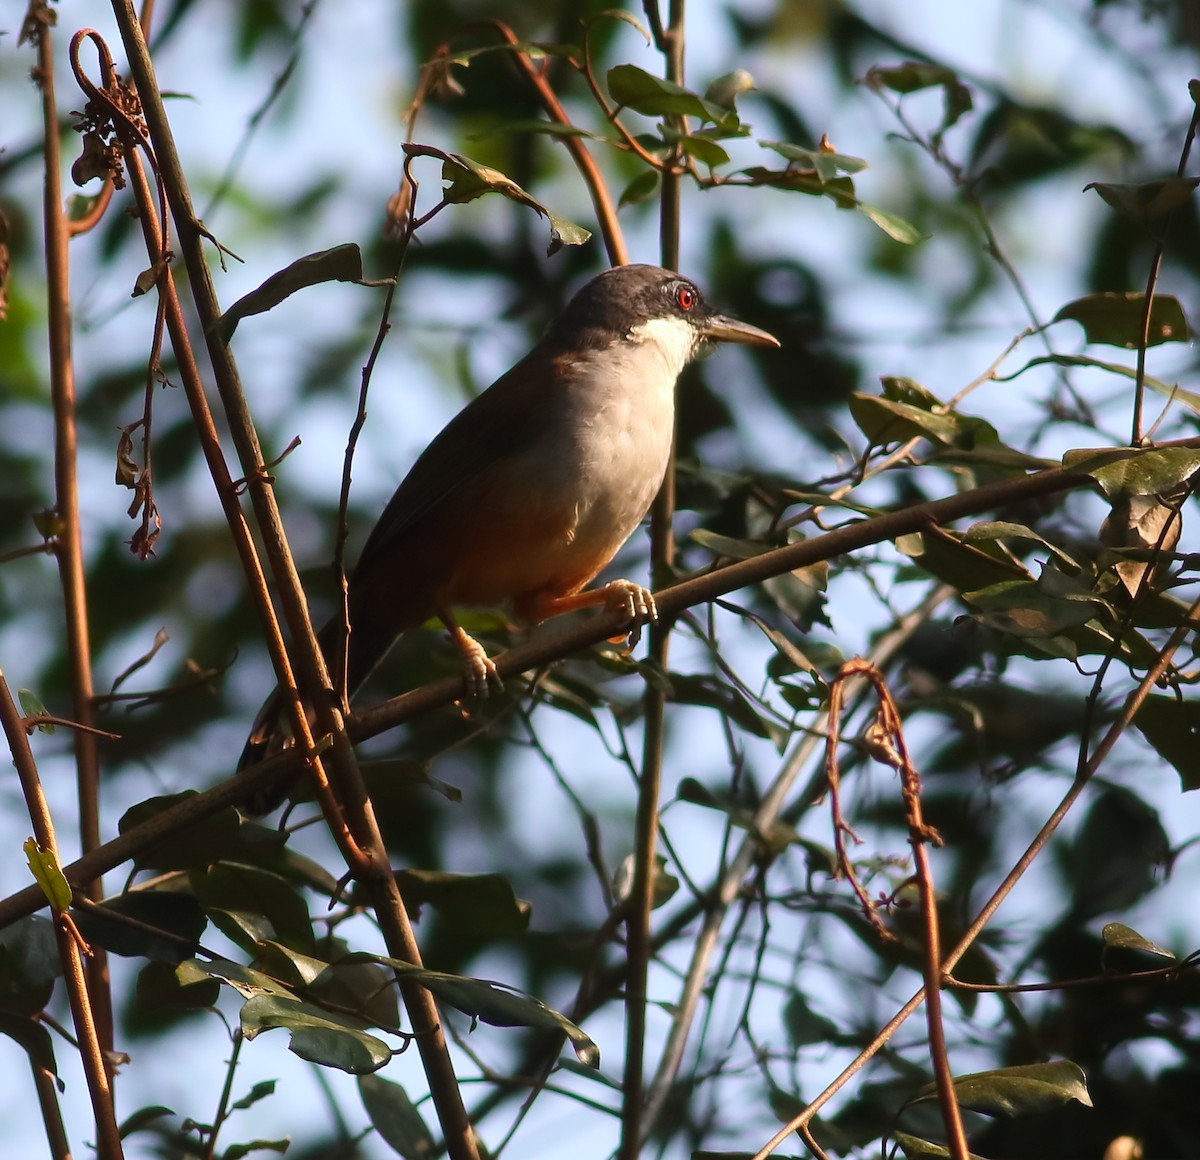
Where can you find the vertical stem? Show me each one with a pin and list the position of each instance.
(91, 1050)
(69, 538)
(662, 552)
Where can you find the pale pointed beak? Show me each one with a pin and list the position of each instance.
(719, 328)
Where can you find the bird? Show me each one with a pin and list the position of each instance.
(532, 488)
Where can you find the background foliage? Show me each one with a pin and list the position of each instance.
(910, 370)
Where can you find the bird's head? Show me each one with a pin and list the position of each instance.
(642, 304)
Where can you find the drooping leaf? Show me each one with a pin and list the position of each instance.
(339, 264)
(29, 964)
(1123, 471)
(467, 180)
(394, 1116)
(1118, 319)
(914, 1148)
(168, 925)
(1018, 1091)
(478, 905)
(320, 1036)
(634, 88)
(1172, 726)
(496, 1004)
(1148, 201)
(1120, 936)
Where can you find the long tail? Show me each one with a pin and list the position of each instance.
(271, 732)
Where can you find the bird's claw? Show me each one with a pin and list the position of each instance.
(479, 670)
(634, 601)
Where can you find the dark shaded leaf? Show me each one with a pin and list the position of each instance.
(339, 264)
(175, 920)
(1118, 319)
(252, 905)
(142, 1119)
(32, 1035)
(29, 964)
(395, 1117)
(1172, 726)
(478, 905)
(223, 835)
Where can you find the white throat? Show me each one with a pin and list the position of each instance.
(674, 338)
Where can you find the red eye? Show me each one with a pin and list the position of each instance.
(686, 297)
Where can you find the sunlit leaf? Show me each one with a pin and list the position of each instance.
(1120, 936)
(1018, 1091)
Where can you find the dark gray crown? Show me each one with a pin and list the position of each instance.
(615, 302)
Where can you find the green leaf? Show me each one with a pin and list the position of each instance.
(467, 180)
(32, 706)
(915, 1148)
(237, 1151)
(339, 264)
(260, 1091)
(394, 1116)
(641, 188)
(161, 993)
(989, 531)
(913, 76)
(322, 1037)
(1145, 203)
(1018, 1091)
(825, 163)
(634, 88)
(1172, 726)
(1126, 471)
(1119, 319)
(628, 17)
(142, 1119)
(1118, 935)
(1172, 392)
(725, 89)
(897, 228)
(252, 905)
(494, 1003)
(702, 689)
(46, 872)
(885, 420)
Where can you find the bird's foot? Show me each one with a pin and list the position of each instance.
(479, 670)
(636, 602)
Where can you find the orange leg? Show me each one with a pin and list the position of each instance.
(636, 602)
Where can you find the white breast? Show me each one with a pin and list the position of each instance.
(621, 407)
